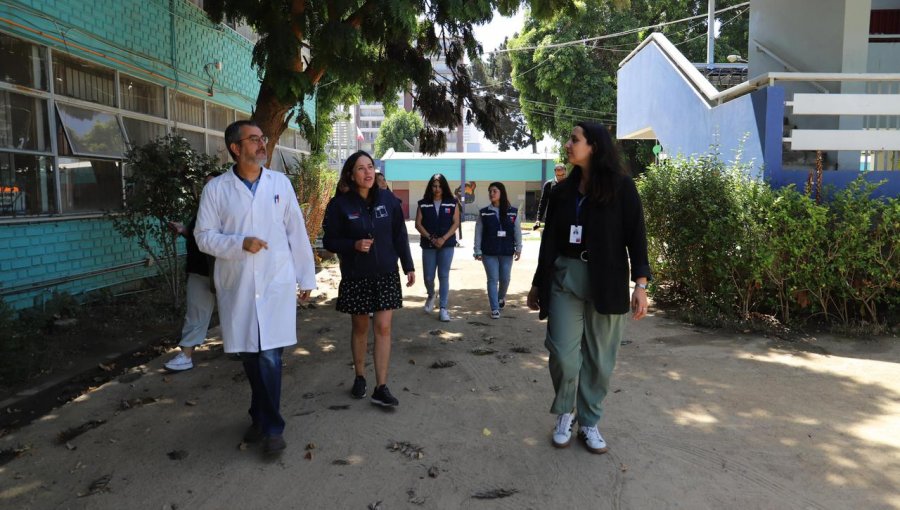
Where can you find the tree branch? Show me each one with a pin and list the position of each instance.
(298, 7)
(355, 20)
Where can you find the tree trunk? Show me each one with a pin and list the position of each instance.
(270, 116)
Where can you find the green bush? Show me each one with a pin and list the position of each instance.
(728, 246)
(314, 184)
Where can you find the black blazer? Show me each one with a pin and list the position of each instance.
(614, 233)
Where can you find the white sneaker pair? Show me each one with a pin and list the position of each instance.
(562, 434)
(429, 304)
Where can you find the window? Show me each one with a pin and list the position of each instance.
(22, 63)
(91, 133)
(88, 185)
(142, 132)
(217, 149)
(218, 117)
(27, 185)
(195, 139)
(187, 109)
(142, 97)
(23, 122)
(83, 80)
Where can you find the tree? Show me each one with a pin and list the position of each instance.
(397, 128)
(166, 178)
(496, 74)
(344, 50)
(560, 86)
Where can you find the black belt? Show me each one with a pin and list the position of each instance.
(576, 254)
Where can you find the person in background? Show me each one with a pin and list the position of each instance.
(437, 219)
(200, 299)
(559, 176)
(498, 241)
(381, 181)
(251, 222)
(594, 232)
(365, 227)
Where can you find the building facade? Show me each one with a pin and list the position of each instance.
(80, 82)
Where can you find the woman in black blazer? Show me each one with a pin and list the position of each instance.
(594, 227)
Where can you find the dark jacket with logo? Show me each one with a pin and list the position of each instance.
(437, 222)
(491, 244)
(614, 233)
(348, 219)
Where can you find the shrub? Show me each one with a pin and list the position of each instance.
(314, 183)
(728, 246)
(164, 185)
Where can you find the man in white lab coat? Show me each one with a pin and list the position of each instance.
(250, 221)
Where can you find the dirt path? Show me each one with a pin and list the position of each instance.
(696, 420)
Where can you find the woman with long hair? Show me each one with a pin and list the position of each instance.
(594, 228)
(498, 241)
(437, 219)
(364, 226)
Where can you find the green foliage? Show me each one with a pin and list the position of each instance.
(165, 183)
(561, 86)
(396, 128)
(728, 246)
(314, 184)
(368, 50)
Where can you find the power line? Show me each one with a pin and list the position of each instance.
(617, 34)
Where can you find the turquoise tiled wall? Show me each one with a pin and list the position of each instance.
(135, 37)
(32, 253)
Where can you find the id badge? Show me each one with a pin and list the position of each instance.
(575, 234)
(501, 233)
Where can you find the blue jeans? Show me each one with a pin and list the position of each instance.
(437, 259)
(498, 268)
(263, 371)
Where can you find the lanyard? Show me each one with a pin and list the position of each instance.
(578, 204)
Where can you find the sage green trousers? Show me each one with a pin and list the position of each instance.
(583, 344)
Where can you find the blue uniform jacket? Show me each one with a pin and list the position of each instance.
(437, 222)
(348, 219)
(491, 243)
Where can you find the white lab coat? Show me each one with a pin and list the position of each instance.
(258, 288)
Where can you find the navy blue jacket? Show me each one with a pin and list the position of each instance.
(348, 219)
(437, 222)
(490, 224)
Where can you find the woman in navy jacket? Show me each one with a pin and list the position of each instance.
(364, 226)
(498, 241)
(594, 228)
(437, 219)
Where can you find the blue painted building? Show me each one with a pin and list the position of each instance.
(408, 173)
(80, 80)
(832, 85)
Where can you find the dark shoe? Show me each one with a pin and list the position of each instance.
(359, 387)
(273, 444)
(502, 303)
(253, 435)
(382, 397)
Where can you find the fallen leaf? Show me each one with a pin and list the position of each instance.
(483, 351)
(70, 446)
(623, 468)
(310, 446)
(190, 402)
(308, 456)
(341, 462)
(242, 446)
(412, 362)
(486, 432)
(433, 472)
(73, 432)
(443, 364)
(494, 493)
(339, 407)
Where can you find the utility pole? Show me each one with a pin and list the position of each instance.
(711, 34)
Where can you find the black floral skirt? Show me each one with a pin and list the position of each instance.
(370, 294)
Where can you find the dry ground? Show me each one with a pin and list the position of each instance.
(697, 419)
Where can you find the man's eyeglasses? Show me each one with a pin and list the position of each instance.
(256, 139)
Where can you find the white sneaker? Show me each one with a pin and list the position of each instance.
(593, 441)
(445, 315)
(562, 434)
(179, 363)
(495, 314)
(429, 304)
